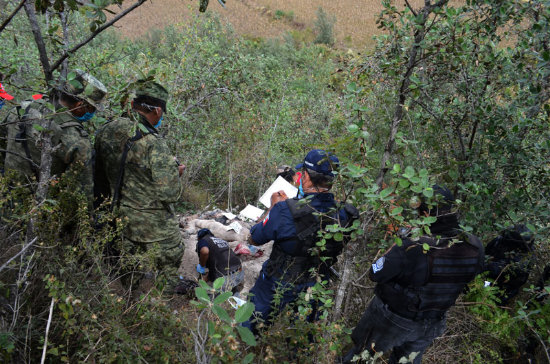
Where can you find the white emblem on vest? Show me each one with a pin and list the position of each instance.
(219, 242)
(378, 265)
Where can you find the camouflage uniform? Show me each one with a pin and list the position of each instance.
(150, 186)
(72, 149)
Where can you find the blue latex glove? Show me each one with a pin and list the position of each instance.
(201, 269)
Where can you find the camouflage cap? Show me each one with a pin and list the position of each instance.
(151, 89)
(85, 86)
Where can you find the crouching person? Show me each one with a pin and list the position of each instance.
(216, 256)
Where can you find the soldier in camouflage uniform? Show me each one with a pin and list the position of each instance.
(73, 104)
(135, 168)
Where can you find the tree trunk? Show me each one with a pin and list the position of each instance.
(38, 39)
(404, 86)
(345, 280)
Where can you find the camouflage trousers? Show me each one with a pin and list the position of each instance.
(140, 260)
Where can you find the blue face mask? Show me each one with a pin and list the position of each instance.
(1, 104)
(301, 189)
(160, 122)
(87, 116)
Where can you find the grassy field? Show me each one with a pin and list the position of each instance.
(355, 19)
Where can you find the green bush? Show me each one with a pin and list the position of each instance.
(324, 27)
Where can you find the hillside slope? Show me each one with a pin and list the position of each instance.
(355, 20)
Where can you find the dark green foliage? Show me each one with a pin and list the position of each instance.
(475, 119)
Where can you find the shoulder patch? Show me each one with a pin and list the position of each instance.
(266, 219)
(378, 265)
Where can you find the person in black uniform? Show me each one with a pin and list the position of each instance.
(415, 288)
(509, 260)
(216, 256)
(293, 225)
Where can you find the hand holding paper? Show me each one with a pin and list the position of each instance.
(278, 197)
(279, 185)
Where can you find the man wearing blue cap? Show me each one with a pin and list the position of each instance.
(293, 224)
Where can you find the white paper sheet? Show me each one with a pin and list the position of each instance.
(251, 212)
(229, 215)
(279, 184)
(235, 226)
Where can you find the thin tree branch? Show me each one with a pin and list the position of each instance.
(39, 40)
(410, 8)
(122, 14)
(20, 156)
(47, 330)
(403, 89)
(65, 68)
(18, 254)
(13, 13)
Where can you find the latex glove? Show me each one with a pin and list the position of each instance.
(201, 269)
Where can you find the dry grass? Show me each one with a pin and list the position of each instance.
(355, 20)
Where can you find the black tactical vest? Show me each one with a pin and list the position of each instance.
(450, 268)
(221, 259)
(295, 266)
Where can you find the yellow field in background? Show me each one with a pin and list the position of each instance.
(355, 19)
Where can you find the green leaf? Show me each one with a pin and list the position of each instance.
(246, 335)
(386, 192)
(338, 236)
(76, 84)
(221, 313)
(398, 241)
(396, 211)
(211, 328)
(428, 192)
(218, 283)
(222, 298)
(430, 219)
(416, 189)
(248, 358)
(426, 247)
(244, 312)
(396, 168)
(201, 294)
(352, 128)
(409, 172)
(403, 183)
(143, 128)
(53, 351)
(37, 127)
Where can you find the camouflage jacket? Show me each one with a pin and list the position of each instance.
(72, 149)
(151, 182)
